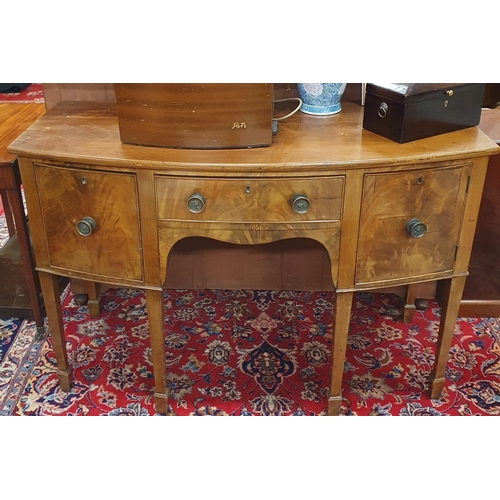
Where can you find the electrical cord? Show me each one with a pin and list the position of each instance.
(292, 112)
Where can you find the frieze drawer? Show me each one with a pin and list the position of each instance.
(250, 200)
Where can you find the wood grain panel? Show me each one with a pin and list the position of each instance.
(436, 198)
(68, 195)
(195, 115)
(305, 266)
(325, 233)
(304, 146)
(54, 93)
(15, 119)
(473, 202)
(481, 296)
(57, 92)
(299, 264)
(248, 268)
(249, 200)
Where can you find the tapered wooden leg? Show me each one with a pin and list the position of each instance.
(90, 288)
(9, 219)
(50, 290)
(15, 202)
(343, 306)
(451, 296)
(409, 308)
(154, 304)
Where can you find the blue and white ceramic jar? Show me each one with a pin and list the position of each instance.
(321, 98)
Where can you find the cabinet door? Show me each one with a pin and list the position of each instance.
(432, 197)
(113, 246)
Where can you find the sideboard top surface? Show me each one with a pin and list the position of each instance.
(88, 133)
(15, 118)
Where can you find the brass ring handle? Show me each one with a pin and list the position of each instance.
(300, 203)
(86, 226)
(196, 203)
(382, 109)
(415, 228)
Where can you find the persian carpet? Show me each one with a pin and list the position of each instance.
(18, 348)
(33, 93)
(258, 353)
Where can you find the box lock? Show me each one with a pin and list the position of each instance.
(449, 93)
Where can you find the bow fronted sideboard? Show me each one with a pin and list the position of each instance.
(387, 214)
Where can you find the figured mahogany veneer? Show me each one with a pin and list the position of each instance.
(261, 200)
(390, 200)
(114, 248)
(362, 190)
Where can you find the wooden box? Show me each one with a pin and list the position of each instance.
(195, 115)
(405, 112)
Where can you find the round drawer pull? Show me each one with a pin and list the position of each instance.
(300, 203)
(382, 110)
(196, 203)
(415, 228)
(86, 226)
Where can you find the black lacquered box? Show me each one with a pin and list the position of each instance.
(405, 112)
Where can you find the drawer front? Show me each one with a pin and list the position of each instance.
(249, 200)
(68, 198)
(395, 204)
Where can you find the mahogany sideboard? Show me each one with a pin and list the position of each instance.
(387, 214)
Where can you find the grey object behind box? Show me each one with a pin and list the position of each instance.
(405, 112)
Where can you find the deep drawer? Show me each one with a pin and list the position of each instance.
(112, 247)
(428, 203)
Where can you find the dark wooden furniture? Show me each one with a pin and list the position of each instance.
(19, 285)
(406, 112)
(387, 214)
(481, 296)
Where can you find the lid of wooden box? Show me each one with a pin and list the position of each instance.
(413, 92)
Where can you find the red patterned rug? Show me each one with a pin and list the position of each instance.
(33, 93)
(258, 353)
